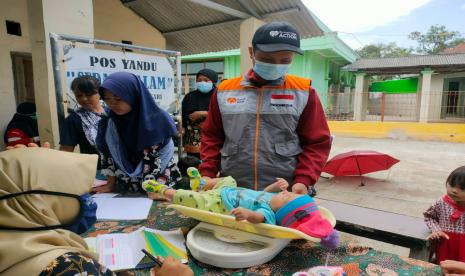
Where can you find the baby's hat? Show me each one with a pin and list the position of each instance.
(303, 214)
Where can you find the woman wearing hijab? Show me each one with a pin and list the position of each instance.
(22, 128)
(135, 140)
(195, 110)
(42, 211)
(80, 127)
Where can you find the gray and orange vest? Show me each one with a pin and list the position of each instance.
(261, 142)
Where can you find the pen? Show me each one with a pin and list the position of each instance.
(159, 263)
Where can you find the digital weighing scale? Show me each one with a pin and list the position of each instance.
(229, 248)
(221, 241)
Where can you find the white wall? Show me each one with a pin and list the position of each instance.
(438, 86)
(57, 16)
(13, 10)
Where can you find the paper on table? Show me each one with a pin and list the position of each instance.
(166, 243)
(121, 251)
(123, 208)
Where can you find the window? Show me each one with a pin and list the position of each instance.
(13, 28)
(193, 68)
(217, 66)
(190, 70)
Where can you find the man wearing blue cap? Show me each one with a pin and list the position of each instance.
(266, 124)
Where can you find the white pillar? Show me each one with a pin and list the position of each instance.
(58, 16)
(247, 30)
(360, 97)
(425, 95)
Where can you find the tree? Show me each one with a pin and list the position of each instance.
(381, 50)
(436, 39)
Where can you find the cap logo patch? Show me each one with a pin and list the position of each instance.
(274, 33)
(282, 34)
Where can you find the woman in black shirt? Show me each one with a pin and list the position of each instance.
(195, 110)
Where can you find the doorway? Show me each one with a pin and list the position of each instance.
(23, 77)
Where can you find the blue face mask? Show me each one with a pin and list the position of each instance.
(85, 219)
(204, 86)
(270, 71)
(87, 215)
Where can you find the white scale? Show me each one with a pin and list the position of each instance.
(229, 248)
(221, 241)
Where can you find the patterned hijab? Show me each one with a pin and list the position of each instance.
(40, 169)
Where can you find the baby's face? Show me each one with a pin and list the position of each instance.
(279, 200)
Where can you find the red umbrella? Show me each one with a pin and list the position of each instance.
(358, 162)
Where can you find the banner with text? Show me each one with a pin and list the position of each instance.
(154, 71)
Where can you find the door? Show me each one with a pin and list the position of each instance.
(23, 77)
(452, 98)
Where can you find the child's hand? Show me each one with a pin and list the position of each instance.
(241, 213)
(436, 235)
(282, 183)
(210, 183)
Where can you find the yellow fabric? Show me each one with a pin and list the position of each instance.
(29, 252)
(205, 200)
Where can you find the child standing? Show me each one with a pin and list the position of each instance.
(446, 219)
(284, 208)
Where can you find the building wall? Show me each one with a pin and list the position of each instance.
(437, 83)
(112, 21)
(13, 10)
(61, 17)
(115, 22)
(232, 67)
(318, 68)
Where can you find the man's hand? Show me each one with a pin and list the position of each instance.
(437, 235)
(299, 188)
(453, 267)
(172, 267)
(279, 185)
(30, 145)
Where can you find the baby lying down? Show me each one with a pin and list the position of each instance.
(274, 205)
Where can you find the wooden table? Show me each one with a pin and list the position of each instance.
(402, 230)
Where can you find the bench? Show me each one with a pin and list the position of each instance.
(401, 230)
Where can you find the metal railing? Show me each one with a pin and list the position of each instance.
(447, 106)
(340, 106)
(391, 107)
(443, 106)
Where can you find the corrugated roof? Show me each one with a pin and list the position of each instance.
(419, 61)
(214, 30)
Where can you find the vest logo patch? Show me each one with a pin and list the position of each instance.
(282, 100)
(235, 100)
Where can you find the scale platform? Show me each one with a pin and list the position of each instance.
(221, 241)
(229, 248)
